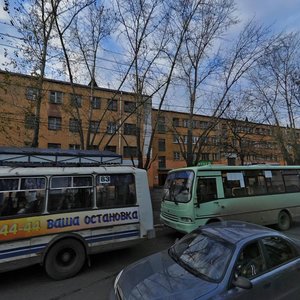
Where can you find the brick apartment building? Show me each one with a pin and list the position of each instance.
(109, 120)
(222, 141)
(104, 116)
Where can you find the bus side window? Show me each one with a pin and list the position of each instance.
(118, 191)
(7, 206)
(56, 200)
(82, 198)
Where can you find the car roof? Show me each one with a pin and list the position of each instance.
(236, 231)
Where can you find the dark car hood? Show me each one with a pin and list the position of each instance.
(160, 277)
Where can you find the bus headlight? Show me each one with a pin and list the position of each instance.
(186, 219)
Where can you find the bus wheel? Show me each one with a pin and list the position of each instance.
(65, 259)
(284, 221)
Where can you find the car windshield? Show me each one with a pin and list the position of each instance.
(204, 256)
(178, 186)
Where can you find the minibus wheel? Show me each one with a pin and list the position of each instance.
(210, 221)
(284, 220)
(65, 259)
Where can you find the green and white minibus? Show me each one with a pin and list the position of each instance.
(261, 194)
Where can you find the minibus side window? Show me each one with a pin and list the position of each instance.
(206, 189)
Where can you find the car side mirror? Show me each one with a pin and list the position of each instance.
(243, 283)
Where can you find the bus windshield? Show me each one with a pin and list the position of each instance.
(178, 186)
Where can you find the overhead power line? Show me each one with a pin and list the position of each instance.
(157, 71)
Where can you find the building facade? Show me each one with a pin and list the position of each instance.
(81, 117)
(71, 117)
(221, 141)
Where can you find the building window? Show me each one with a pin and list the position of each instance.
(162, 162)
(129, 151)
(205, 156)
(93, 147)
(94, 126)
(32, 93)
(176, 155)
(214, 140)
(161, 124)
(96, 102)
(195, 139)
(204, 125)
(111, 148)
(54, 123)
(54, 146)
(185, 123)
(76, 100)
(196, 124)
(161, 145)
(215, 156)
(55, 97)
(74, 125)
(112, 104)
(129, 106)
(231, 161)
(74, 147)
(175, 122)
(29, 121)
(176, 139)
(111, 127)
(129, 129)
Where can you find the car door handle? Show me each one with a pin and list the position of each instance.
(267, 285)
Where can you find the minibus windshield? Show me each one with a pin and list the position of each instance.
(178, 186)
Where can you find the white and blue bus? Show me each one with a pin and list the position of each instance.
(58, 216)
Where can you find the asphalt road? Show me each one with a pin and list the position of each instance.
(91, 283)
(95, 282)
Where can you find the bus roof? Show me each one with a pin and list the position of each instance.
(37, 157)
(237, 168)
(43, 171)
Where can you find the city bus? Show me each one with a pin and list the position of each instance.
(262, 194)
(59, 216)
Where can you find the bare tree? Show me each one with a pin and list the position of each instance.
(34, 23)
(239, 57)
(64, 15)
(198, 61)
(178, 17)
(276, 90)
(87, 33)
(140, 22)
